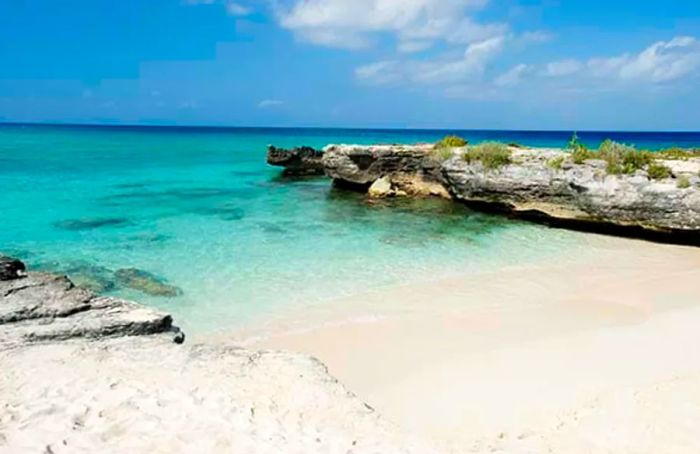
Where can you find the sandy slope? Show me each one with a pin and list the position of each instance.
(152, 396)
(590, 355)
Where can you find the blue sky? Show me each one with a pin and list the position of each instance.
(517, 64)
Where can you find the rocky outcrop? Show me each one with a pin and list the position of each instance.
(582, 192)
(47, 307)
(409, 169)
(83, 374)
(299, 161)
(541, 182)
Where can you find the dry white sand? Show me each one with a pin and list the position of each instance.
(592, 354)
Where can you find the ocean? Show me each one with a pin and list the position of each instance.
(199, 209)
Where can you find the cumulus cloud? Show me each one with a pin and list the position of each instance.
(416, 24)
(663, 62)
(444, 69)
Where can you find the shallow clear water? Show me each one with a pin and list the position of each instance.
(201, 209)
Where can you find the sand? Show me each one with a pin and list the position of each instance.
(591, 354)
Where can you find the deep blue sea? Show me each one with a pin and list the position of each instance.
(200, 209)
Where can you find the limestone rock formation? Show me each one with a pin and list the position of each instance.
(410, 169)
(583, 192)
(299, 161)
(84, 374)
(380, 188)
(47, 307)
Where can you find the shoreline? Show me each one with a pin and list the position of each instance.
(448, 372)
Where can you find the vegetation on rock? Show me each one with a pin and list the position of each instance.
(556, 163)
(622, 158)
(680, 154)
(658, 171)
(451, 142)
(579, 151)
(491, 154)
(683, 182)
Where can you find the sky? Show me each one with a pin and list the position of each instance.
(468, 64)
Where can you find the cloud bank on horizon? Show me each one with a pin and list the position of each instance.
(452, 63)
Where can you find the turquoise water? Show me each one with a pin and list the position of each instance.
(201, 209)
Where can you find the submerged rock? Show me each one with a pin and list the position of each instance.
(145, 282)
(299, 161)
(90, 223)
(11, 268)
(93, 277)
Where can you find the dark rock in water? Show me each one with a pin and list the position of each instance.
(90, 223)
(145, 282)
(96, 278)
(297, 161)
(271, 227)
(226, 213)
(83, 274)
(11, 268)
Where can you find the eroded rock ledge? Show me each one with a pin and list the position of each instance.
(396, 169)
(542, 181)
(36, 307)
(83, 373)
(299, 161)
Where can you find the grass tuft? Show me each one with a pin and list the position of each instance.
(658, 171)
(492, 155)
(556, 163)
(451, 142)
(683, 182)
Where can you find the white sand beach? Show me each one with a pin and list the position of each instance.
(592, 354)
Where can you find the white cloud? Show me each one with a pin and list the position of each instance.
(415, 24)
(513, 76)
(408, 47)
(563, 67)
(269, 103)
(444, 69)
(663, 62)
(379, 73)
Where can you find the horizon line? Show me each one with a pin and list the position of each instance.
(347, 128)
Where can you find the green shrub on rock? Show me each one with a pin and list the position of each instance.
(658, 171)
(623, 159)
(579, 151)
(556, 163)
(683, 182)
(492, 155)
(451, 142)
